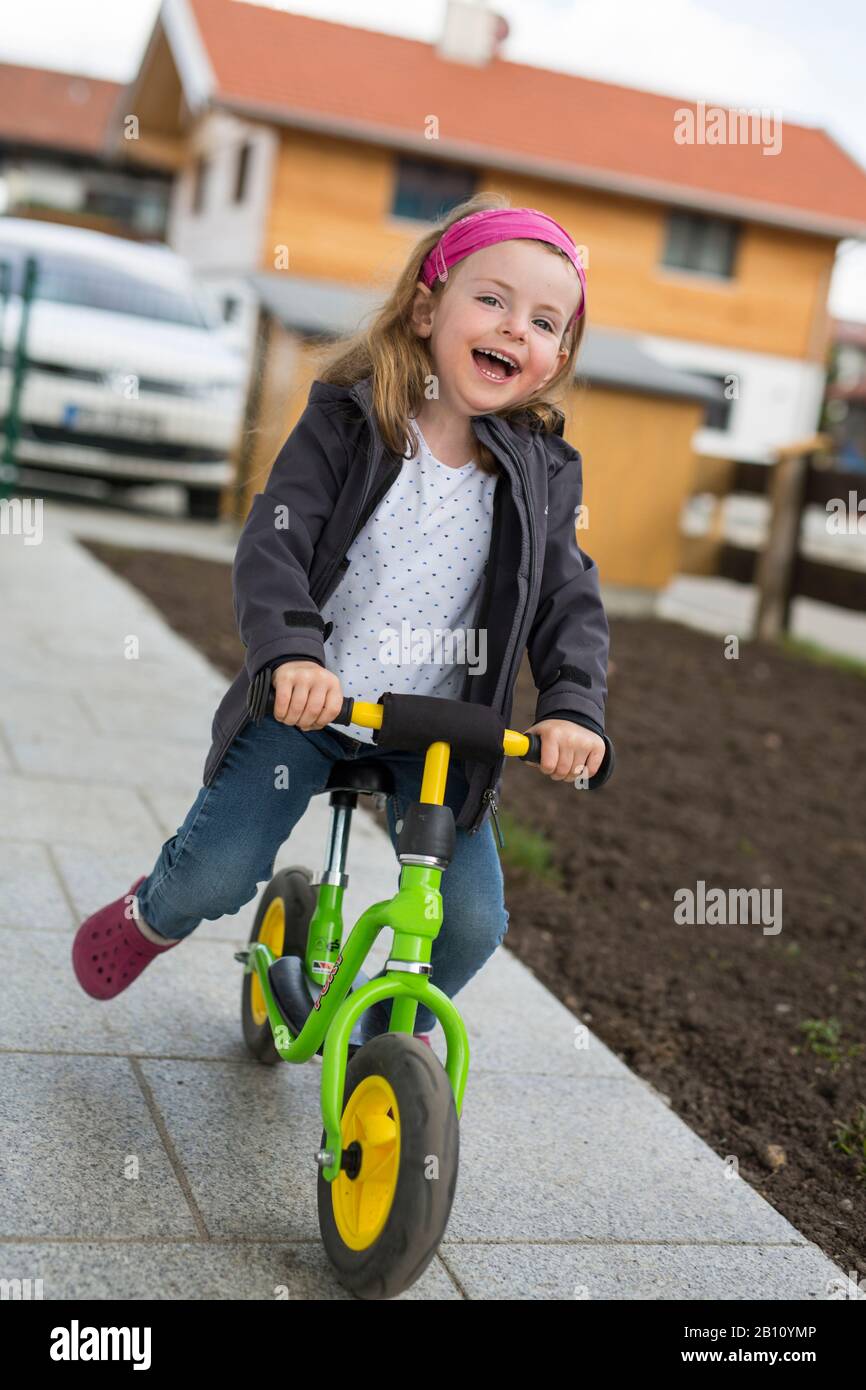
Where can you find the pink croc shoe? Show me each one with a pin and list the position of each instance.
(422, 1037)
(109, 951)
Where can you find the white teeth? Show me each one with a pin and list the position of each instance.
(489, 352)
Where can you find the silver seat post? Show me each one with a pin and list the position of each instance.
(334, 871)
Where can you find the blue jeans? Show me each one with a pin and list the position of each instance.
(228, 842)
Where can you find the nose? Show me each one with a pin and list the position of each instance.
(514, 332)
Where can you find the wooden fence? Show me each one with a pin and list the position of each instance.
(801, 475)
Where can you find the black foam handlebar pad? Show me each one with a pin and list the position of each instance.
(416, 721)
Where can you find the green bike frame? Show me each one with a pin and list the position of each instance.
(415, 915)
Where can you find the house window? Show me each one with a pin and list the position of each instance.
(705, 244)
(242, 171)
(199, 181)
(426, 191)
(718, 413)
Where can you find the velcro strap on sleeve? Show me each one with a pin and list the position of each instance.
(304, 618)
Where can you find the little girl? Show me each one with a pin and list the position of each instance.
(425, 489)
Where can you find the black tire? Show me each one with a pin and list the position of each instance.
(203, 503)
(293, 888)
(420, 1205)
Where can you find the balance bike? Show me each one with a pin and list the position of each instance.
(389, 1154)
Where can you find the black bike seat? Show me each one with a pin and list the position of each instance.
(372, 775)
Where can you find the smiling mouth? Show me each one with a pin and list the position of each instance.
(493, 367)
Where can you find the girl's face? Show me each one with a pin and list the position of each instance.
(514, 298)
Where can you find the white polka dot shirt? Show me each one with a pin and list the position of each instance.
(403, 613)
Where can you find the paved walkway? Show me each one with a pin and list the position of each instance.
(144, 1153)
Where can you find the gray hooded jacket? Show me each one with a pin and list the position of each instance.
(540, 591)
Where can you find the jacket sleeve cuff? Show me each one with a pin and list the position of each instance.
(576, 718)
(565, 703)
(281, 660)
(306, 645)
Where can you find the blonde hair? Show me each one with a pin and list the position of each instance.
(401, 364)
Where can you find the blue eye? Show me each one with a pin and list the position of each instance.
(497, 301)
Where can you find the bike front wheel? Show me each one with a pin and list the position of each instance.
(382, 1218)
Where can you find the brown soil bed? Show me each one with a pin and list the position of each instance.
(747, 773)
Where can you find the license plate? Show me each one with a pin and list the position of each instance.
(121, 422)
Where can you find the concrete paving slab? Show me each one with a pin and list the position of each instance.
(82, 1154)
(215, 540)
(48, 710)
(93, 875)
(496, 1006)
(122, 760)
(197, 1270)
(618, 1165)
(246, 1137)
(31, 894)
(186, 1004)
(647, 1272)
(47, 808)
(180, 719)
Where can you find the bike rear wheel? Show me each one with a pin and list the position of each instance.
(281, 923)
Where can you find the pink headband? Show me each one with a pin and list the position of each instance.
(490, 225)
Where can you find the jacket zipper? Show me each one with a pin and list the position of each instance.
(488, 582)
(341, 551)
(518, 462)
(482, 615)
(489, 794)
(257, 693)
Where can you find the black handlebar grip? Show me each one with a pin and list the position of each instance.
(345, 715)
(533, 755)
(533, 752)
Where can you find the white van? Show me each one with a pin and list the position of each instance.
(127, 377)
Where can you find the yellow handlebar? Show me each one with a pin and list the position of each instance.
(369, 716)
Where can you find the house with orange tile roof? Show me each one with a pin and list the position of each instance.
(308, 156)
(54, 164)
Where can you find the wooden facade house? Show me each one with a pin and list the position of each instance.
(308, 156)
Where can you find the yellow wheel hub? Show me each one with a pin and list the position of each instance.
(362, 1204)
(272, 933)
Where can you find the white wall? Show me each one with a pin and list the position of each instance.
(225, 237)
(240, 331)
(779, 397)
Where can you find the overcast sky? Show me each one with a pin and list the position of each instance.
(802, 60)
